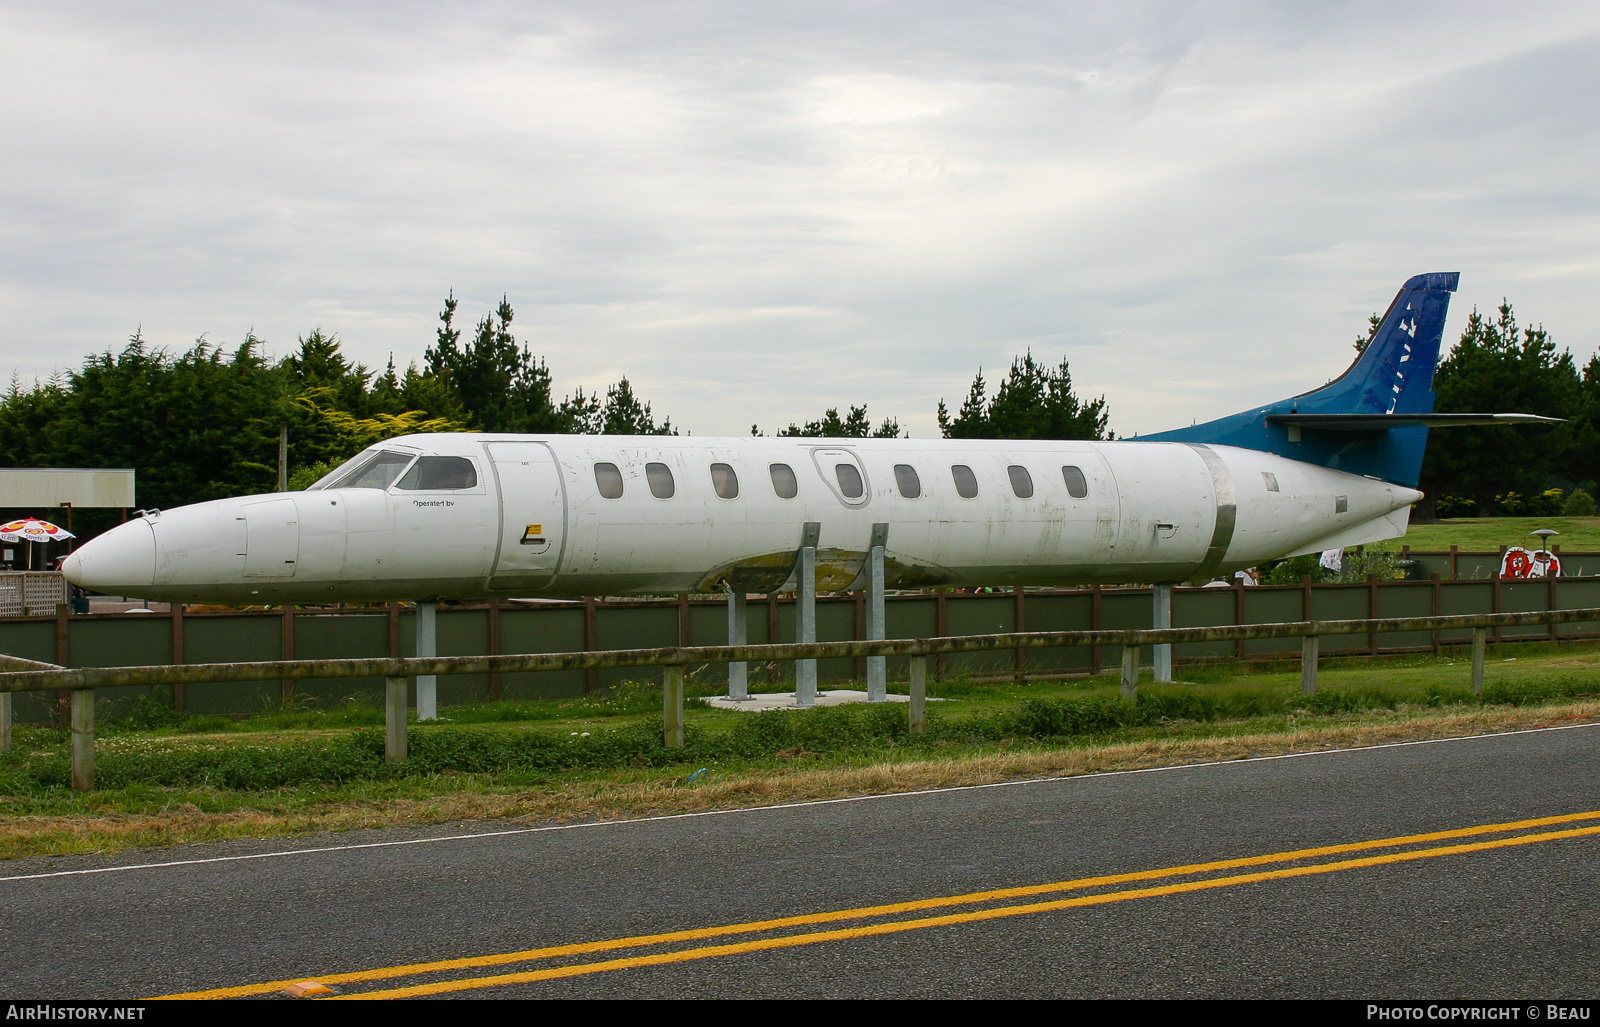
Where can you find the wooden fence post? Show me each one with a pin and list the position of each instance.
(1308, 665)
(394, 719)
(82, 739)
(672, 706)
(917, 709)
(1480, 637)
(1130, 673)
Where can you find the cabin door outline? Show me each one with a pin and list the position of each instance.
(533, 515)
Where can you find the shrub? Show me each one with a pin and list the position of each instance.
(1579, 504)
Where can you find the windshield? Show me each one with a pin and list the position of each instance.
(369, 470)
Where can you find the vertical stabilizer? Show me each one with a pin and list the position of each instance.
(1393, 377)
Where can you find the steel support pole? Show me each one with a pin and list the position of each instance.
(394, 719)
(917, 709)
(1161, 617)
(738, 624)
(805, 625)
(427, 645)
(672, 707)
(1480, 638)
(1130, 673)
(5, 721)
(877, 672)
(1308, 664)
(83, 740)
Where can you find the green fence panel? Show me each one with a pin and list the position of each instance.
(1073, 611)
(341, 636)
(1340, 602)
(1123, 609)
(139, 640)
(463, 632)
(634, 627)
(1433, 564)
(31, 640)
(542, 629)
(1406, 599)
(1203, 608)
(1272, 605)
(908, 617)
(1578, 565)
(1577, 594)
(1457, 598)
(1524, 597)
(232, 638)
(980, 615)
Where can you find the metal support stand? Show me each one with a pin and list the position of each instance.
(877, 671)
(1130, 673)
(1480, 638)
(917, 709)
(738, 623)
(83, 740)
(394, 720)
(1161, 617)
(427, 645)
(672, 707)
(1308, 664)
(5, 720)
(805, 614)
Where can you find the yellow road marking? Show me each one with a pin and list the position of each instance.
(863, 912)
(793, 940)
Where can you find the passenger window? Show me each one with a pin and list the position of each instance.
(783, 481)
(377, 473)
(1021, 481)
(906, 480)
(1077, 487)
(609, 480)
(659, 476)
(850, 485)
(440, 472)
(966, 481)
(1270, 480)
(724, 481)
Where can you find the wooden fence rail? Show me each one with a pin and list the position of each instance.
(18, 675)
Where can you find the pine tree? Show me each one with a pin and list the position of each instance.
(625, 414)
(1498, 367)
(854, 425)
(1032, 402)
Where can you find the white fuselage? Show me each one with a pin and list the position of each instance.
(536, 519)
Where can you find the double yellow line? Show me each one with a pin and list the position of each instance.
(900, 908)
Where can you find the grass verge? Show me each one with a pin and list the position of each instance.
(601, 758)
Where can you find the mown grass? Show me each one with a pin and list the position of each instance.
(602, 755)
(1487, 534)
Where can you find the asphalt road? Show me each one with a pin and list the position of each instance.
(1484, 911)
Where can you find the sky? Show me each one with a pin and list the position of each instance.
(759, 211)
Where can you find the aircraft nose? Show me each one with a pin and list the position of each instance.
(121, 560)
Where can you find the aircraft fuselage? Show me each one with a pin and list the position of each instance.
(476, 516)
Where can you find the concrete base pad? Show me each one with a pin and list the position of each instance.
(785, 700)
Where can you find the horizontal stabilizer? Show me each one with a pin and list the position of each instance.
(1380, 422)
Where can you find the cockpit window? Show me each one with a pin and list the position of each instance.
(327, 480)
(440, 472)
(377, 471)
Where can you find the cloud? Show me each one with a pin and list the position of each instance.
(757, 213)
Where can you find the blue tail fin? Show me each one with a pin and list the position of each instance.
(1371, 420)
